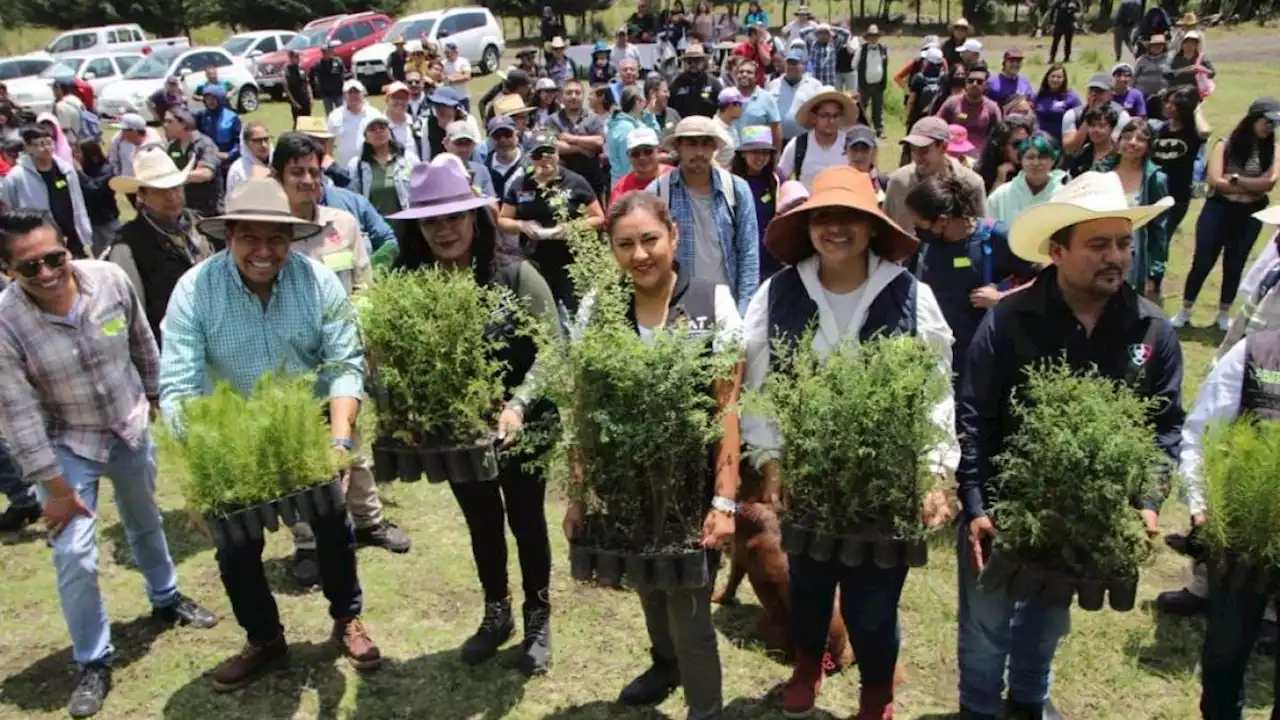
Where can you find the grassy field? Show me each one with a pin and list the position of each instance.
(421, 606)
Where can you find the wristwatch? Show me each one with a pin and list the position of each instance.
(724, 504)
(343, 443)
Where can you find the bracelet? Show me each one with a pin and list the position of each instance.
(344, 443)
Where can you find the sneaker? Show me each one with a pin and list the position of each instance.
(1181, 603)
(354, 641)
(184, 611)
(305, 569)
(801, 692)
(385, 535)
(1182, 319)
(1222, 320)
(652, 686)
(95, 683)
(495, 630)
(535, 655)
(240, 669)
(15, 517)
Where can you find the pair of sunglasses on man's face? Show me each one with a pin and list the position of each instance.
(31, 268)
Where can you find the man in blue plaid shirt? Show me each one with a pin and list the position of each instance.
(822, 43)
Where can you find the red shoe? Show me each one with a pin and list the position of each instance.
(875, 703)
(802, 689)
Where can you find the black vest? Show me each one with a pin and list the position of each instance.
(693, 301)
(791, 310)
(1260, 396)
(160, 264)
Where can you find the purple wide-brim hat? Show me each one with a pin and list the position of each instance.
(441, 187)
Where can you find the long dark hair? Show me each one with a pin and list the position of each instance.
(415, 252)
(1186, 98)
(992, 156)
(769, 171)
(1141, 127)
(1243, 141)
(393, 146)
(1044, 81)
(92, 159)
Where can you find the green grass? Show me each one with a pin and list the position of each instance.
(421, 606)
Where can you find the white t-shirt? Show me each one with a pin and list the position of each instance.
(403, 134)
(348, 129)
(816, 158)
(708, 253)
(453, 67)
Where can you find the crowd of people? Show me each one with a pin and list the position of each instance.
(1024, 222)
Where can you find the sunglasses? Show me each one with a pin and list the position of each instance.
(976, 81)
(31, 268)
(640, 152)
(542, 153)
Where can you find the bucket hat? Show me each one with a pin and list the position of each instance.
(756, 137)
(696, 126)
(260, 200)
(959, 142)
(152, 168)
(848, 108)
(787, 237)
(440, 187)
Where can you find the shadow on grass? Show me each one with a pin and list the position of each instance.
(738, 623)
(426, 685)
(29, 534)
(179, 530)
(1207, 335)
(309, 686)
(278, 577)
(767, 707)
(46, 684)
(603, 710)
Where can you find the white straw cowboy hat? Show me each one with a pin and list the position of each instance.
(262, 201)
(1269, 216)
(1092, 196)
(152, 168)
(848, 108)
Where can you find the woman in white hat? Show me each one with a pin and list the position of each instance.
(755, 160)
(1190, 65)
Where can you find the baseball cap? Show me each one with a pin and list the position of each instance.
(353, 86)
(932, 55)
(546, 84)
(133, 121)
(446, 96)
(501, 122)
(334, 44)
(1013, 54)
(860, 135)
(1100, 81)
(545, 139)
(1122, 69)
(516, 79)
(928, 131)
(1267, 107)
(461, 130)
(755, 137)
(795, 56)
(641, 137)
(395, 87)
(730, 96)
(971, 45)
(451, 44)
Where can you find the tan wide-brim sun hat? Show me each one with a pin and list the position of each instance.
(261, 201)
(696, 126)
(787, 237)
(511, 105)
(152, 168)
(312, 126)
(848, 108)
(1092, 196)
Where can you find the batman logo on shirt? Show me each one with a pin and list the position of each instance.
(1169, 148)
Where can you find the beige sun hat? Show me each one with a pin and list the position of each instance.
(511, 104)
(1269, 216)
(262, 201)
(314, 127)
(152, 168)
(696, 126)
(1092, 196)
(848, 108)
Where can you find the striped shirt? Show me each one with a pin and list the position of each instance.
(79, 381)
(217, 329)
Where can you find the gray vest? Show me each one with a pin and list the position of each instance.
(1260, 396)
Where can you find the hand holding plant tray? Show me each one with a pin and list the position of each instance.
(1242, 519)
(434, 339)
(856, 427)
(1065, 495)
(245, 461)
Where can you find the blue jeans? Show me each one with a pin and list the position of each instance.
(75, 549)
(868, 603)
(1235, 618)
(995, 629)
(20, 494)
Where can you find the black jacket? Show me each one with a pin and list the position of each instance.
(160, 264)
(1132, 342)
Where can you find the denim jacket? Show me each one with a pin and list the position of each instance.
(362, 176)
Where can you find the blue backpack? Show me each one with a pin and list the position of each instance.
(90, 125)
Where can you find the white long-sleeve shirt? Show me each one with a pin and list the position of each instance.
(1257, 312)
(1219, 400)
(841, 317)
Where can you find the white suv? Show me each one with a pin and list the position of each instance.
(475, 30)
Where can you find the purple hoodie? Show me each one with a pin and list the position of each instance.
(1001, 88)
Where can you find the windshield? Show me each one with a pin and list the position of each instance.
(409, 29)
(308, 38)
(238, 45)
(153, 67)
(64, 67)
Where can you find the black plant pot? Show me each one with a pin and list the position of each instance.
(694, 573)
(822, 547)
(997, 573)
(287, 511)
(666, 572)
(916, 553)
(1123, 594)
(608, 568)
(1059, 590)
(853, 550)
(795, 537)
(217, 530)
(635, 568)
(1090, 594)
(408, 465)
(384, 461)
(581, 562)
(886, 554)
(433, 464)
(473, 462)
(1027, 582)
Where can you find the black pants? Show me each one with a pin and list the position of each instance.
(1224, 228)
(873, 96)
(331, 104)
(300, 111)
(520, 495)
(250, 595)
(1234, 621)
(1060, 32)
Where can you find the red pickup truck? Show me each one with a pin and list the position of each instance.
(352, 32)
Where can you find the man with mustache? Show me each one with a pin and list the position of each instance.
(1079, 310)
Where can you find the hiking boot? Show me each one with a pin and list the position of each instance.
(384, 535)
(1181, 603)
(535, 655)
(305, 569)
(95, 683)
(184, 611)
(240, 669)
(1031, 711)
(875, 703)
(15, 518)
(354, 642)
(495, 630)
(654, 685)
(802, 689)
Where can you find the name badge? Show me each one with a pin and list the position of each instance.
(524, 197)
(963, 262)
(766, 198)
(60, 184)
(1058, 104)
(340, 261)
(962, 116)
(112, 327)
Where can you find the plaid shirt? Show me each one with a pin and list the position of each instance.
(217, 329)
(82, 381)
(822, 58)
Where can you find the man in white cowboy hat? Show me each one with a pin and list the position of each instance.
(159, 245)
(347, 122)
(791, 89)
(559, 67)
(1081, 310)
(825, 117)
(216, 328)
(871, 69)
(713, 210)
(80, 370)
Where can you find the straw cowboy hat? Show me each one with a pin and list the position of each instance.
(152, 168)
(1188, 20)
(787, 237)
(696, 126)
(510, 105)
(848, 108)
(314, 127)
(440, 187)
(260, 200)
(1269, 216)
(1092, 196)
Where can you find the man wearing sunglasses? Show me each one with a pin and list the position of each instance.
(972, 109)
(646, 163)
(81, 377)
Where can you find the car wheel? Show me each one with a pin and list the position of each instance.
(489, 61)
(248, 99)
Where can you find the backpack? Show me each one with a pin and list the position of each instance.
(927, 94)
(726, 189)
(802, 149)
(90, 125)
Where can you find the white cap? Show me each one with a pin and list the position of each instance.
(395, 87)
(545, 84)
(971, 45)
(641, 137)
(133, 121)
(822, 27)
(932, 55)
(356, 85)
(461, 130)
(799, 43)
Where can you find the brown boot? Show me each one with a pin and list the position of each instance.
(238, 670)
(356, 644)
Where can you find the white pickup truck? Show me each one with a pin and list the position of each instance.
(108, 38)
